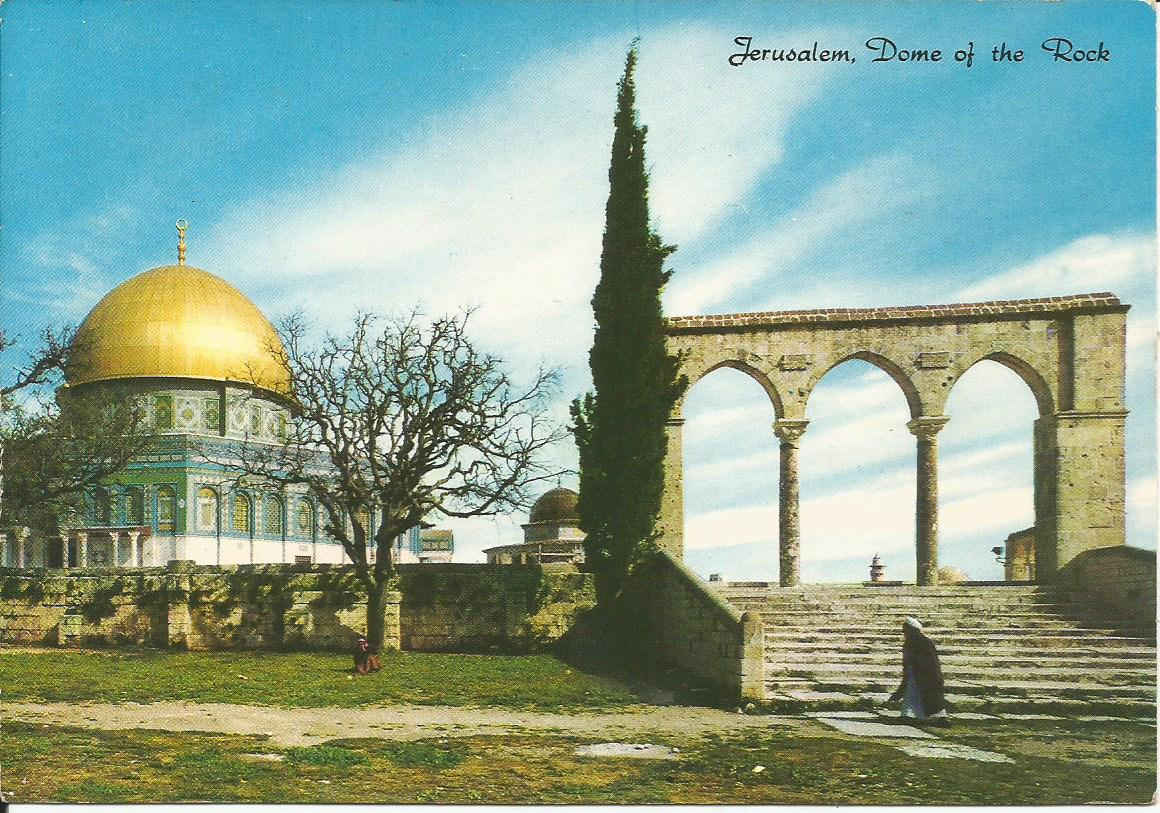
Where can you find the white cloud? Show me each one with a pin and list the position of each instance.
(72, 274)
(1091, 263)
(501, 204)
(1141, 507)
(713, 129)
(890, 181)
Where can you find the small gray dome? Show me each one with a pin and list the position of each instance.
(560, 505)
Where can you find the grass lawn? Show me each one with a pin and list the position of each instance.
(538, 682)
(1055, 763)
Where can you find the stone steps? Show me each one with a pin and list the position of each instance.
(1002, 647)
(893, 627)
(963, 673)
(1033, 638)
(1121, 707)
(1078, 648)
(1016, 658)
(1036, 611)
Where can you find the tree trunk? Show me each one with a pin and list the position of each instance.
(376, 605)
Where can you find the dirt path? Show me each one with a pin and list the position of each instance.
(402, 722)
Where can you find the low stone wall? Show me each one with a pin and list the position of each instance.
(435, 607)
(479, 608)
(681, 622)
(1117, 584)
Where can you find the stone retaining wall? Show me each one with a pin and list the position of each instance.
(435, 607)
(1117, 584)
(681, 622)
(478, 608)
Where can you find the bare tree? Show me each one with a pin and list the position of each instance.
(54, 448)
(404, 420)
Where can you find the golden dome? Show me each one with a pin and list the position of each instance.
(177, 321)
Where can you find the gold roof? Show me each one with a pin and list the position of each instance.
(177, 321)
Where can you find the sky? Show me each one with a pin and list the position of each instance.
(334, 155)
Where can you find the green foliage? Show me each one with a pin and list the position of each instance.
(100, 604)
(307, 679)
(419, 754)
(619, 428)
(803, 762)
(327, 755)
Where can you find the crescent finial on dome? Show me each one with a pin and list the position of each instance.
(182, 225)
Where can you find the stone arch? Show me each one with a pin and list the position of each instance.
(741, 366)
(1069, 350)
(883, 363)
(1026, 371)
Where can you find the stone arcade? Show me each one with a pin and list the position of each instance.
(1069, 350)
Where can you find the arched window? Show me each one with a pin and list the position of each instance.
(135, 506)
(241, 514)
(102, 507)
(305, 519)
(272, 508)
(166, 509)
(207, 509)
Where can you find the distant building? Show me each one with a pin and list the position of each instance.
(425, 545)
(552, 533)
(1019, 556)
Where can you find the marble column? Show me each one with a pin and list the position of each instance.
(156, 550)
(925, 429)
(134, 556)
(64, 557)
(21, 550)
(789, 432)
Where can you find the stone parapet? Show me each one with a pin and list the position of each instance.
(1103, 301)
(1115, 585)
(448, 607)
(481, 608)
(681, 622)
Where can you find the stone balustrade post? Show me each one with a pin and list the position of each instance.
(671, 522)
(925, 429)
(82, 548)
(789, 433)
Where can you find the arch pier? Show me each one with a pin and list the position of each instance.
(1069, 350)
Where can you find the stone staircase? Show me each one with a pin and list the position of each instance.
(1003, 647)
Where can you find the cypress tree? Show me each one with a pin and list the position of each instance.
(620, 428)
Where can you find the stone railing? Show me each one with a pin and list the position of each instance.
(681, 622)
(1117, 584)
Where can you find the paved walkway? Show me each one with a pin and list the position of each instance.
(403, 722)
(310, 726)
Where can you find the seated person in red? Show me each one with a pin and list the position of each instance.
(364, 660)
